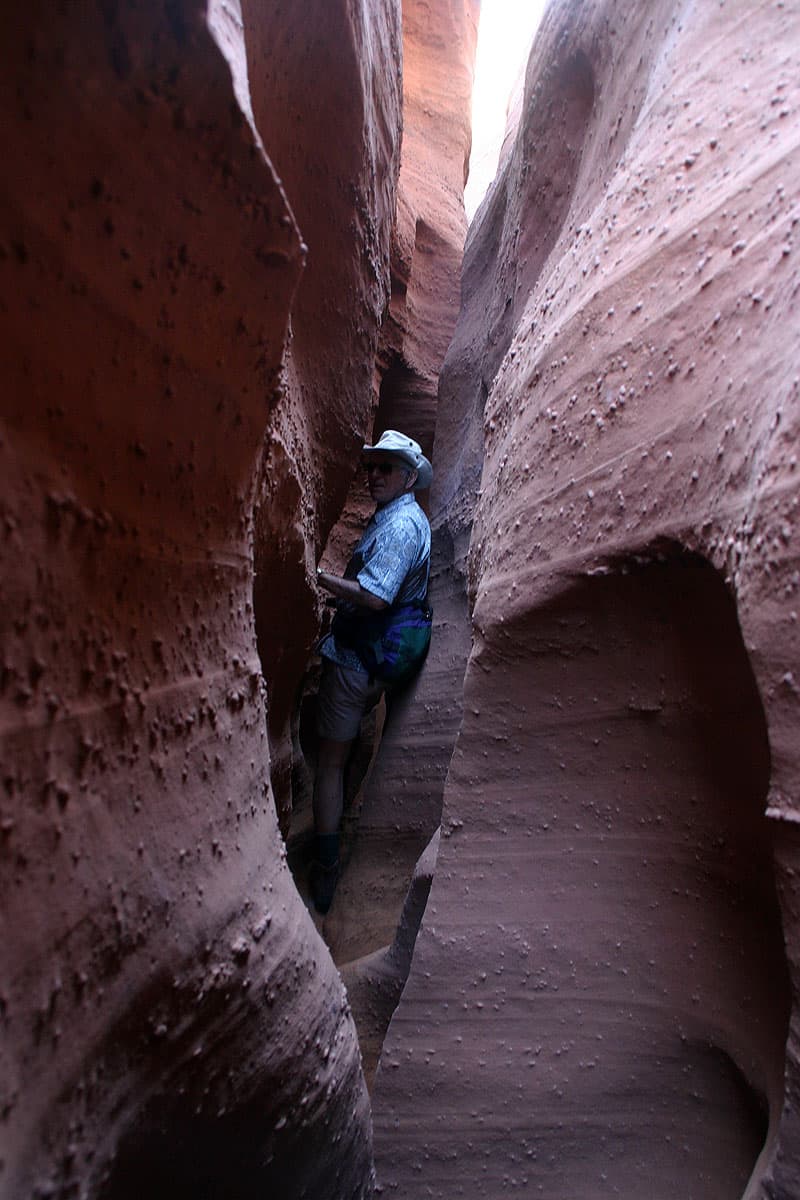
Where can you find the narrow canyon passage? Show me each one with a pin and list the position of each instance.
(563, 955)
(394, 788)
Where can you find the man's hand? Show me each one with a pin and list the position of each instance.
(350, 589)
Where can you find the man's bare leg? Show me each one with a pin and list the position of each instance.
(329, 784)
(328, 806)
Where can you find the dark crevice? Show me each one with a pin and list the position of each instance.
(565, 116)
(400, 390)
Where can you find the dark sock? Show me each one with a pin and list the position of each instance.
(326, 846)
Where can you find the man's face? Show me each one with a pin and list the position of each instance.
(387, 478)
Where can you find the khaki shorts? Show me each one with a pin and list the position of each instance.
(344, 697)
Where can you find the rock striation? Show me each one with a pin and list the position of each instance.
(604, 971)
(170, 1021)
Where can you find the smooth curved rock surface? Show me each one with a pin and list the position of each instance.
(600, 991)
(171, 1022)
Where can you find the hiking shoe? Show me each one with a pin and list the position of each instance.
(322, 881)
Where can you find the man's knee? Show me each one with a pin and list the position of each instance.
(332, 753)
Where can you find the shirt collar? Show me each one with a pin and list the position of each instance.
(388, 511)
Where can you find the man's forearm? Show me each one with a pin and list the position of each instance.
(349, 589)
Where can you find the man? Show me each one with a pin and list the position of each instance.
(379, 635)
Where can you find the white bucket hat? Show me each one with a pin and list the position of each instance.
(392, 442)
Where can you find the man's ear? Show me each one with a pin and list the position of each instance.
(411, 479)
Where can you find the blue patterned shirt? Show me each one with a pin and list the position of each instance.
(391, 560)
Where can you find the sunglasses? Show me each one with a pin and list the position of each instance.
(383, 468)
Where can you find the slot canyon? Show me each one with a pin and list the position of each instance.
(562, 958)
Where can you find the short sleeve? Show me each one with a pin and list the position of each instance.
(388, 561)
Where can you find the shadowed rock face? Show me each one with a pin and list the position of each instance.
(616, 1004)
(168, 1013)
(599, 997)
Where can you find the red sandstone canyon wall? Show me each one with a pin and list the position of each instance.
(601, 990)
(428, 241)
(171, 422)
